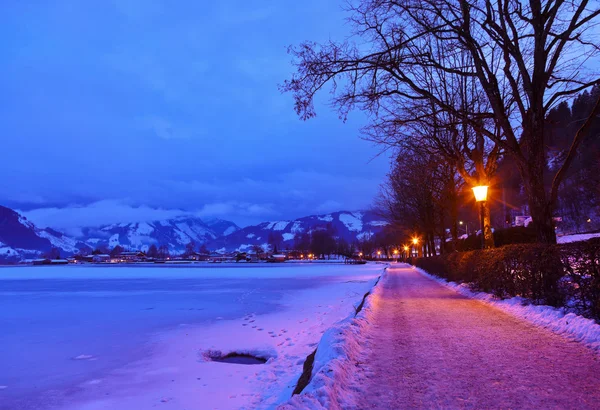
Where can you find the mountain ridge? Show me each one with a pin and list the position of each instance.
(21, 239)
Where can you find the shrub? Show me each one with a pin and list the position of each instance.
(514, 235)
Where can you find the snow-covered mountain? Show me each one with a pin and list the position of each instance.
(351, 226)
(176, 233)
(20, 238)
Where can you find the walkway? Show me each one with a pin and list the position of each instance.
(430, 347)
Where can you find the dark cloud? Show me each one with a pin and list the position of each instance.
(124, 108)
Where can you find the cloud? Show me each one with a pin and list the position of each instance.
(165, 129)
(235, 210)
(72, 218)
(329, 206)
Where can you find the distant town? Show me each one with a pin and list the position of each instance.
(161, 255)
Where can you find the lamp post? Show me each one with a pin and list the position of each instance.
(396, 255)
(480, 193)
(415, 242)
(406, 249)
(378, 255)
(466, 226)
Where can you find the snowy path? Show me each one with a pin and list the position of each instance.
(429, 347)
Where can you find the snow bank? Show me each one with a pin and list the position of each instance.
(570, 325)
(334, 362)
(577, 237)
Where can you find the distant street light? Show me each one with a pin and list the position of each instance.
(378, 254)
(480, 193)
(406, 248)
(396, 254)
(415, 242)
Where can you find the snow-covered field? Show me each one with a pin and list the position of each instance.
(142, 337)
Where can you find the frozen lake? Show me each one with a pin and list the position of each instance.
(70, 333)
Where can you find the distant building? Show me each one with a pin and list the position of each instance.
(101, 258)
(278, 257)
(222, 257)
(131, 256)
(522, 220)
(195, 256)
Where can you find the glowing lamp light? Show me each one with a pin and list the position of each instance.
(378, 252)
(395, 251)
(360, 254)
(415, 240)
(405, 248)
(480, 193)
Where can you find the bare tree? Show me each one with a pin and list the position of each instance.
(525, 56)
(424, 126)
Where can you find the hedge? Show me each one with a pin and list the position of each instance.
(557, 275)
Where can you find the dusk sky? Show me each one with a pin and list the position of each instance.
(131, 110)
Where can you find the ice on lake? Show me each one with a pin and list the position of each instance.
(87, 337)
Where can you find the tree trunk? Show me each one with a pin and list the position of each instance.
(540, 206)
(541, 214)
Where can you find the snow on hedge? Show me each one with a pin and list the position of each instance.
(577, 237)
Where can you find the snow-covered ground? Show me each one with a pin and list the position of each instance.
(142, 337)
(577, 237)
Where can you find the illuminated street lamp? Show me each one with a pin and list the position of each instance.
(396, 254)
(378, 254)
(406, 248)
(480, 193)
(461, 223)
(415, 242)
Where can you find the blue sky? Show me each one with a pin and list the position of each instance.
(125, 109)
